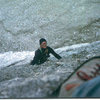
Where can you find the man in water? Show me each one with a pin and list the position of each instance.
(42, 54)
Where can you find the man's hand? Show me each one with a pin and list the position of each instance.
(60, 62)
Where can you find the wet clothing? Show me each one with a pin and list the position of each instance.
(41, 55)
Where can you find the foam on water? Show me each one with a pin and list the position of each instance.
(61, 22)
(71, 27)
(9, 58)
(22, 80)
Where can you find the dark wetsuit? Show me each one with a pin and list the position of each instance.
(41, 55)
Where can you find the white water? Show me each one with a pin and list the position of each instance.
(9, 58)
(71, 27)
(61, 22)
(21, 80)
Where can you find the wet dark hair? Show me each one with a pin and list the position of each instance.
(42, 40)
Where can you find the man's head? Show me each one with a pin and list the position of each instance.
(43, 43)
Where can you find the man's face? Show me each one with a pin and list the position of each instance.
(43, 45)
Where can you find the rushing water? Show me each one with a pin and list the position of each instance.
(61, 22)
(71, 27)
(19, 79)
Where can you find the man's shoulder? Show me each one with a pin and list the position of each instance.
(38, 51)
(49, 47)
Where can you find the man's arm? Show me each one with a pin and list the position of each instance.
(54, 53)
(36, 58)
